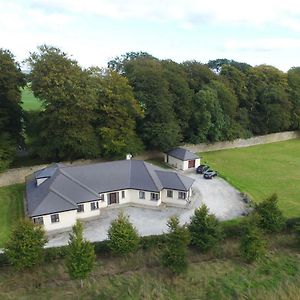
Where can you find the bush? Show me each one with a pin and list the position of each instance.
(123, 236)
(252, 245)
(80, 254)
(175, 250)
(25, 247)
(205, 229)
(269, 216)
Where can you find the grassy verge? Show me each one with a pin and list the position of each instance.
(220, 275)
(29, 101)
(262, 170)
(158, 162)
(11, 209)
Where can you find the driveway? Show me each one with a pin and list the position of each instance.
(220, 197)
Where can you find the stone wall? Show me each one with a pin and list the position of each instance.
(239, 143)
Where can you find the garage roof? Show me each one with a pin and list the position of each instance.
(182, 154)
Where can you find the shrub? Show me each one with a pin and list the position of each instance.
(25, 247)
(269, 216)
(252, 245)
(80, 254)
(123, 236)
(205, 229)
(175, 250)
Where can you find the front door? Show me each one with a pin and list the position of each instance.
(191, 163)
(113, 198)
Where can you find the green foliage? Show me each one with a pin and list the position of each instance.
(253, 246)
(25, 247)
(80, 254)
(7, 151)
(174, 255)
(123, 236)
(269, 216)
(205, 229)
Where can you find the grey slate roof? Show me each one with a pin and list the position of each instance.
(67, 186)
(182, 154)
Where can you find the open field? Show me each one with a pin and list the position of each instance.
(262, 170)
(11, 209)
(140, 276)
(29, 101)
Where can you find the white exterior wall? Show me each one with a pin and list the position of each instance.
(197, 162)
(88, 213)
(174, 162)
(175, 199)
(66, 220)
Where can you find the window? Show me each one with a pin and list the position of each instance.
(123, 194)
(181, 195)
(154, 196)
(101, 197)
(54, 218)
(80, 208)
(94, 205)
(38, 220)
(169, 193)
(142, 195)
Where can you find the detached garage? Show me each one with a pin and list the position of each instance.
(182, 159)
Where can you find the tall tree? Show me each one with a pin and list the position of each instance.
(68, 101)
(116, 114)
(11, 81)
(293, 75)
(80, 254)
(159, 128)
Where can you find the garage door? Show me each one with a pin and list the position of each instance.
(191, 163)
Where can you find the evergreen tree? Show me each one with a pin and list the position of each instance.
(175, 251)
(80, 254)
(205, 229)
(25, 247)
(252, 246)
(123, 237)
(269, 216)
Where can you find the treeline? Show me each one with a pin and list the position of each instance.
(140, 102)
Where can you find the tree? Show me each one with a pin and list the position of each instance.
(293, 76)
(11, 82)
(80, 254)
(269, 216)
(175, 251)
(205, 229)
(69, 99)
(159, 128)
(116, 112)
(252, 246)
(25, 247)
(123, 237)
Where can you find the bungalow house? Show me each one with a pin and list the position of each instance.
(59, 195)
(182, 159)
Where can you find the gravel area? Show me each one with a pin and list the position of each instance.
(220, 197)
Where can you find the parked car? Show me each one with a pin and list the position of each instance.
(202, 169)
(210, 174)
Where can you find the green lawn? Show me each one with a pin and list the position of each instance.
(11, 209)
(29, 101)
(262, 170)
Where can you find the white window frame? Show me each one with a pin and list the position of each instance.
(169, 193)
(123, 194)
(142, 195)
(38, 220)
(81, 210)
(56, 220)
(182, 195)
(94, 205)
(154, 196)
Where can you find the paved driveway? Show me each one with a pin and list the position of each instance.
(221, 198)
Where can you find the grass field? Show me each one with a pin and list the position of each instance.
(262, 170)
(140, 276)
(29, 101)
(11, 209)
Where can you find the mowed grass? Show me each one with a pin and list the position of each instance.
(29, 101)
(11, 209)
(262, 170)
(140, 276)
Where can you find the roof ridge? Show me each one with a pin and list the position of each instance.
(79, 183)
(62, 196)
(144, 163)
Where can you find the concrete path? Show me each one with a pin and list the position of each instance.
(221, 198)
